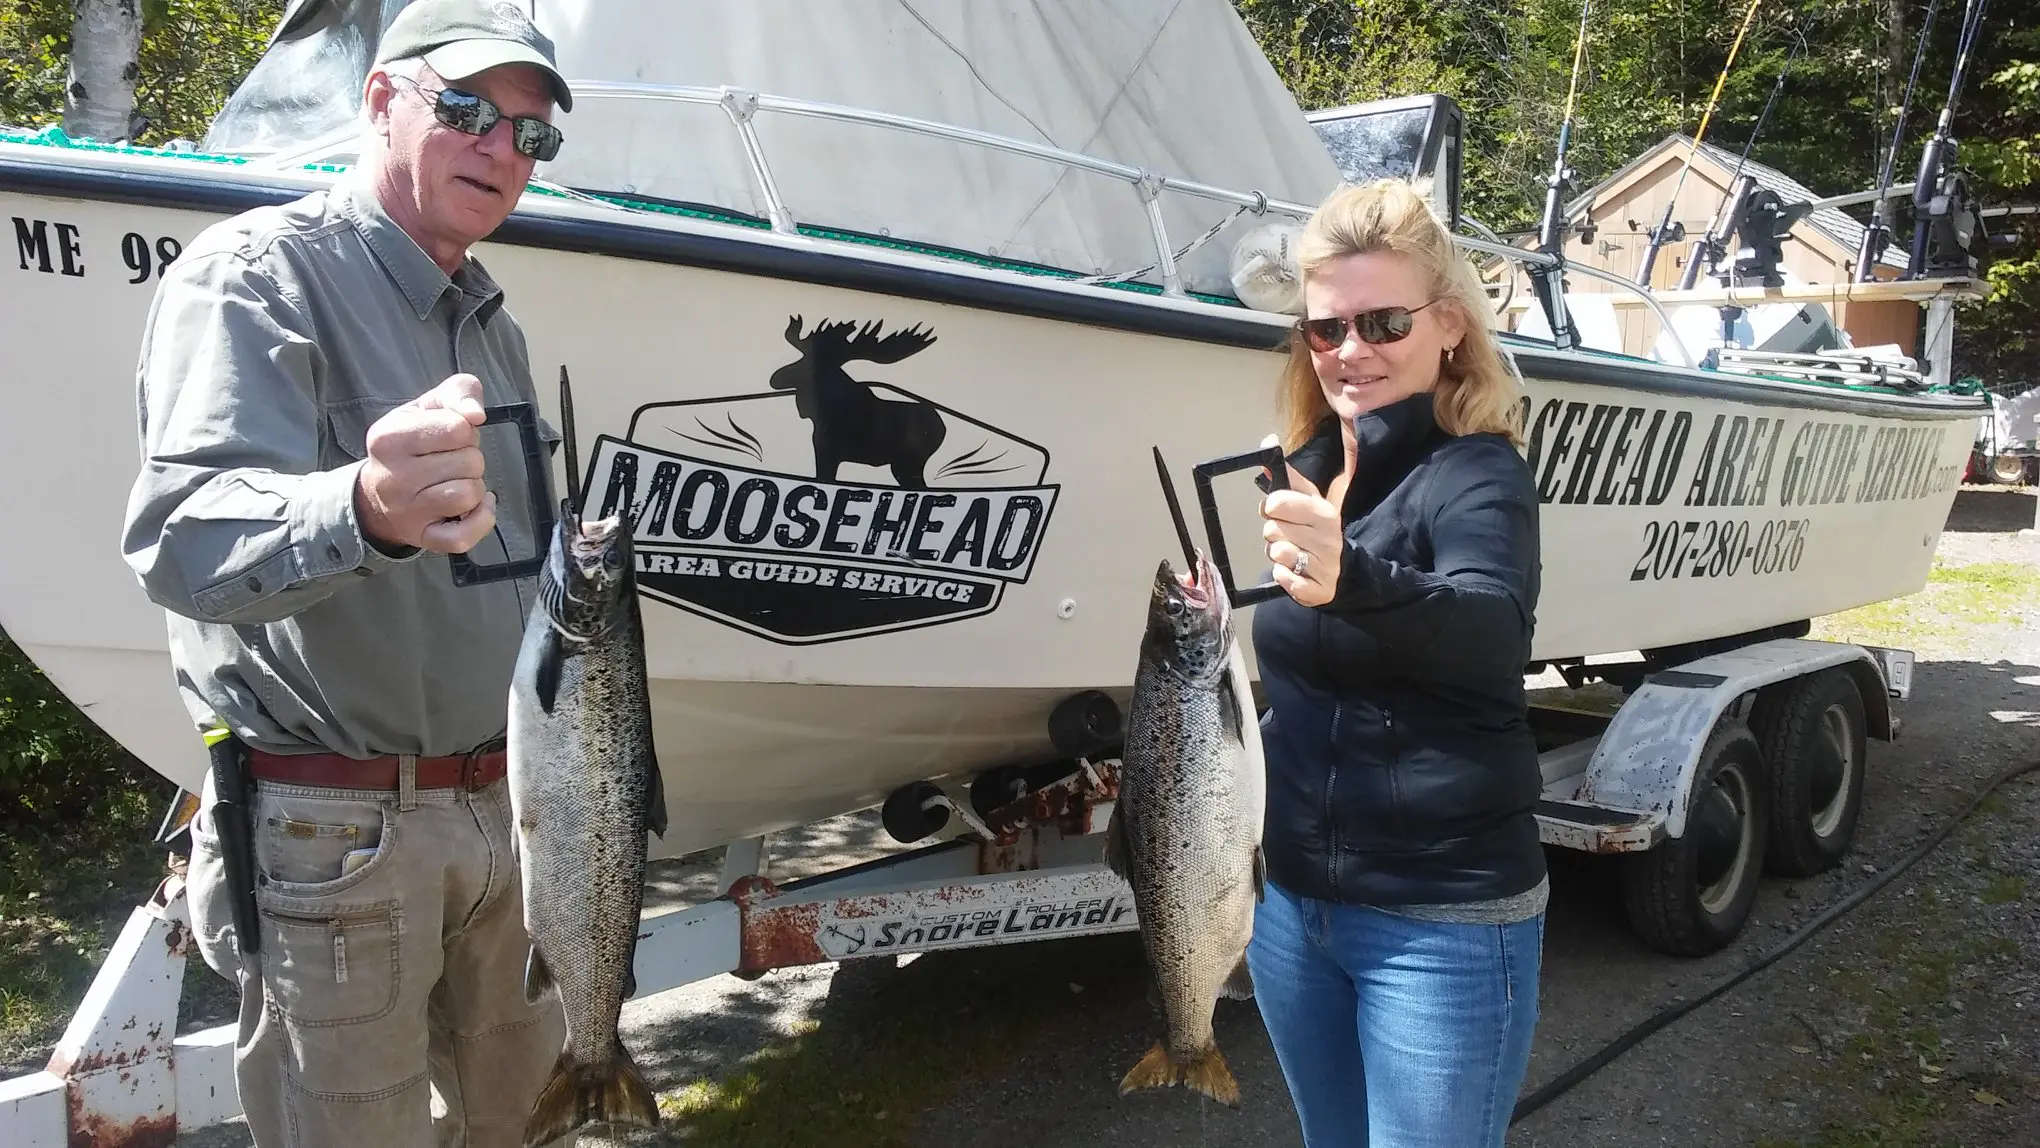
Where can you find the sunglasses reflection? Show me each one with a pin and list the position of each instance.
(1381, 325)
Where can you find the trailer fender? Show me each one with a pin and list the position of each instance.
(1646, 760)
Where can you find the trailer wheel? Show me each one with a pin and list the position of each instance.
(1690, 896)
(1815, 742)
(2008, 469)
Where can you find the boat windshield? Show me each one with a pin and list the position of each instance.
(1377, 144)
(307, 86)
(1416, 138)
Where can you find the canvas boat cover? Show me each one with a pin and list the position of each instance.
(1175, 86)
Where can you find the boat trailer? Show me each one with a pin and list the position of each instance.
(1017, 855)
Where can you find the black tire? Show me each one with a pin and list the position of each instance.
(997, 788)
(905, 819)
(1815, 741)
(1690, 896)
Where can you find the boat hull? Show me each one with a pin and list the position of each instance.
(982, 545)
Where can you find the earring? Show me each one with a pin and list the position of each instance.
(1451, 351)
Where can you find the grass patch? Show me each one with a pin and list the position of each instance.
(2003, 889)
(878, 1057)
(1955, 603)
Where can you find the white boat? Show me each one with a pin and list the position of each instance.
(903, 204)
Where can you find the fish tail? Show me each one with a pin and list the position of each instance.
(1205, 1072)
(1208, 1073)
(577, 1095)
(1155, 1070)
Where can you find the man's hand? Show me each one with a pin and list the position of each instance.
(422, 483)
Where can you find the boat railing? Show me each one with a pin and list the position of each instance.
(742, 106)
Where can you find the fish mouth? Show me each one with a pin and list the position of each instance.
(1198, 584)
(589, 541)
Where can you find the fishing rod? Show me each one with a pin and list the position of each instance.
(1664, 227)
(1714, 241)
(1547, 279)
(1878, 236)
(1937, 159)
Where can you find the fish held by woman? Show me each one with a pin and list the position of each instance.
(1186, 832)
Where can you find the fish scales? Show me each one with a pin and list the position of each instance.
(1187, 828)
(584, 788)
(585, 800)
(1184, 839)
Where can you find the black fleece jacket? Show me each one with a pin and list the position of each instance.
(1401, 766)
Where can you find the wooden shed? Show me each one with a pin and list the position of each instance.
(1623, 207)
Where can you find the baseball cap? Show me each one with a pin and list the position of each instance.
(460, 38)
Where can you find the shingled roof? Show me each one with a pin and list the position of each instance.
(1832, 222)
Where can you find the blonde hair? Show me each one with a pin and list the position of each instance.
(1476, 392)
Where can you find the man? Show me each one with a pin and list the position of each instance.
(311, 386)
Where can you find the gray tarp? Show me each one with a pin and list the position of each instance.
(1177, 86)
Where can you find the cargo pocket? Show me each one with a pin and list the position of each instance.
(313, 846)
(331, 965)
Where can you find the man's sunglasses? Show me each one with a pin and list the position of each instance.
(474, 115)
(1382, 325)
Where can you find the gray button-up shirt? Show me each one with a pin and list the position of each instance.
(272, 345)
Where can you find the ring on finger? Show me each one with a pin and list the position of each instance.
(1301, 567)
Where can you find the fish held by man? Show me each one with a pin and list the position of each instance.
(584, 789)
(1186, 832)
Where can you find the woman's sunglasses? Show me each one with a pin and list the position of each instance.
(1382, 325)
(474, 115)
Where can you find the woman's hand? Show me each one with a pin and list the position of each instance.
(1304, 540)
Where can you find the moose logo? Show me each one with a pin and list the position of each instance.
(859, 508)
(851, 423)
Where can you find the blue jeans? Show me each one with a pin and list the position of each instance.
(1394, 1032)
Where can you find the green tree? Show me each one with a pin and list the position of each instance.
(1650, 67)
(193, 53)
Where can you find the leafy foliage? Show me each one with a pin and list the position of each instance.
(57, 769)
(1650, 67)
(193, 53)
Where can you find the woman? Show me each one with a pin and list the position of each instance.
(1396, 953)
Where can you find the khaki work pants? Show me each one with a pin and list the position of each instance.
(384, 977)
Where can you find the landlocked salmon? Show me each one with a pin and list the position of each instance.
(584, 789)
(1186, 831)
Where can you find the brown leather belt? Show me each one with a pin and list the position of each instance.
(468, 771)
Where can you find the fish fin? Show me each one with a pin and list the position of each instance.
(1116, 855)
(576, 1096)
(1155, 1070)
(1209, 1074)
(552, 658)
(1260, 875)
(1240, 985)
(655, 796)
(1229, 694)
(537, 978)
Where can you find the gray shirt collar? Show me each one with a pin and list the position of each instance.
(420, 279)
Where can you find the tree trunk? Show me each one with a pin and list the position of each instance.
(99, 91)
(1895, 75)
